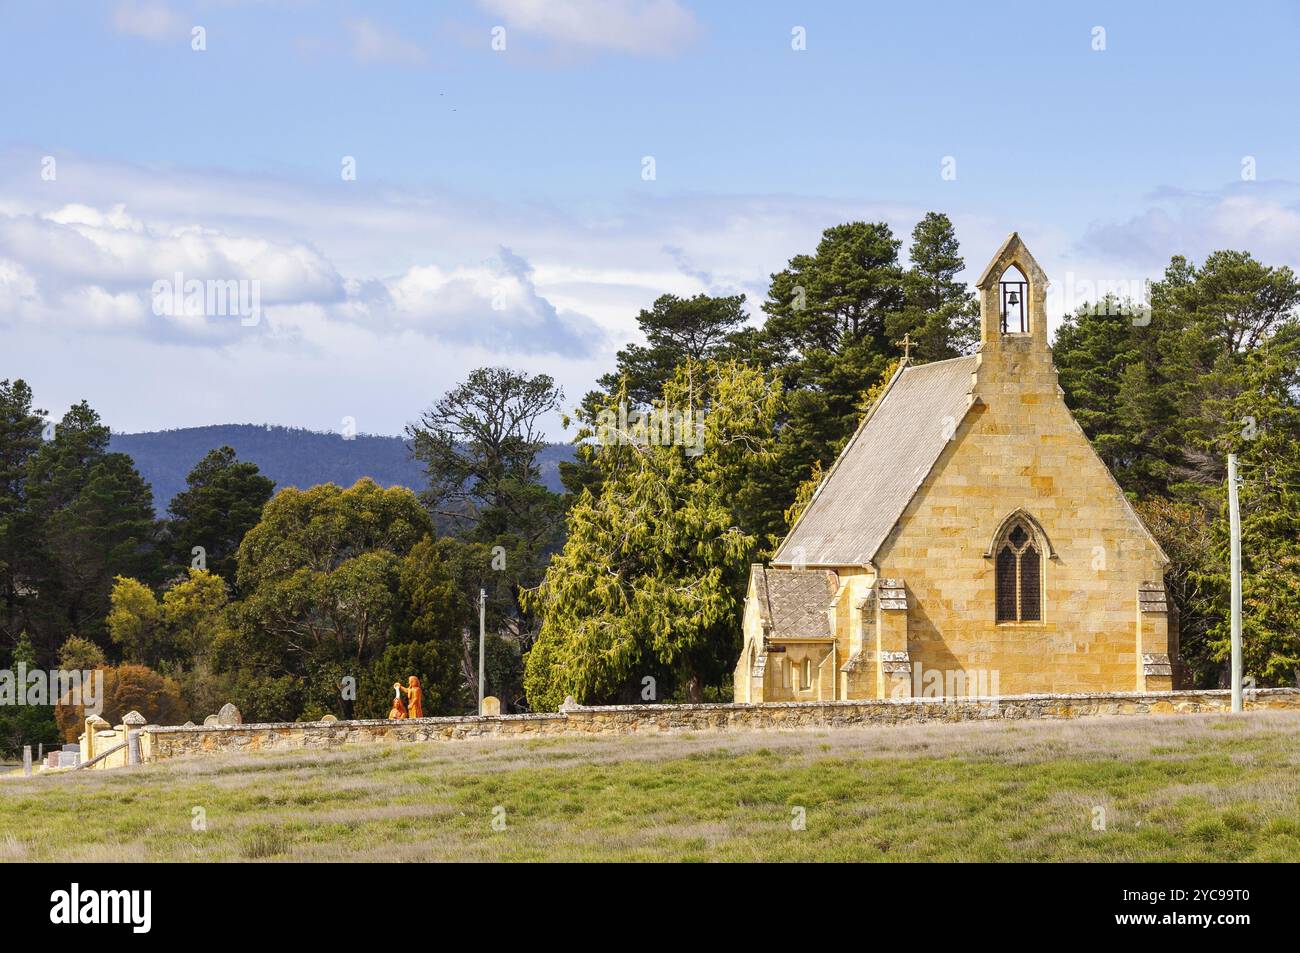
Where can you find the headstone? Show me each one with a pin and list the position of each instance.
(491, 705)
(569, 704)
(27, 760)
(229, 715)
(133, 746)
(52, 759)
(74, 748)
(69, 759)
(212, 720)
(328, 718)
(189, 724)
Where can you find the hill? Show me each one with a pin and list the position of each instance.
(289, 456)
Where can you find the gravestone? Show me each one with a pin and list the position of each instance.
(328, 718)
(491, 705)
(69, 759)
(569, 704)
(211, 720)
(52, 759)
(229, 715)
(188, 724)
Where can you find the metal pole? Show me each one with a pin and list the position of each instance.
(482, 612)
(1234, 527)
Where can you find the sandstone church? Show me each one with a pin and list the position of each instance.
(968, 537)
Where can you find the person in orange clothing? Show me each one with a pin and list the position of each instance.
(398, 711)
(414, 697)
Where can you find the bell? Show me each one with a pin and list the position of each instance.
(1013, 299)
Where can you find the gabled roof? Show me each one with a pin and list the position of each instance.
(792, 603)
(1013, 252)
(862, 497)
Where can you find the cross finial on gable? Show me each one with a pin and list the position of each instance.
(907, 346)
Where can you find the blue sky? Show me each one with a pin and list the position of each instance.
(499, 213)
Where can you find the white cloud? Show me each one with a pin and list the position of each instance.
(372, 43)
(1260, 217)
(146, 18)
(376, 300)
(640, 27)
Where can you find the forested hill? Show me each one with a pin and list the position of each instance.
(289, 456)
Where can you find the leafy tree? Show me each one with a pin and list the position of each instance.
(135, 622)
(81, 655)
(128, 688)
(320, 570)
(327, 586)
(650, 577)
(223, 501)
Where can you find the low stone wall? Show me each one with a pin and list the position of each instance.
(162, 743)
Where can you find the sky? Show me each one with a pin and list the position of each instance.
(401, 192)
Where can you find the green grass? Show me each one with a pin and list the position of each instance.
(1176, 788)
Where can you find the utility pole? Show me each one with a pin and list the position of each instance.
(482, 628)
(1234, 527)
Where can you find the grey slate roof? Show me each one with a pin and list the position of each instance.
(860, 500)
(793, 603)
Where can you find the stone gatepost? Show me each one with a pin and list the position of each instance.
(132, 723)
(893, 664)
(94, 724)
(1155, 672)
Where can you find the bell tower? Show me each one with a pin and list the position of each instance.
(1013, 301)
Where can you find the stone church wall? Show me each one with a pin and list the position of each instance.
(163, 743)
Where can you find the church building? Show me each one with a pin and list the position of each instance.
(968, 540)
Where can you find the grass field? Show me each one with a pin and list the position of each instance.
(1171, 788)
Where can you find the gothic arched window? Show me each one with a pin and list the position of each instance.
(1019, 571)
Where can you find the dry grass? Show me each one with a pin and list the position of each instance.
(1172, 788)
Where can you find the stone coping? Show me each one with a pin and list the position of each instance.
(1100, 697)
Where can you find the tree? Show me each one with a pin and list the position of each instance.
(80, 655)
(223, 501)
(135, 622)
(128, 688)
(20, 438)
(322, 577)
(89, 518)
(827, 330)
(320, 570)
(676, 330)
(479, 444)
(940, 315)
(650, 579)
(1213, 368)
